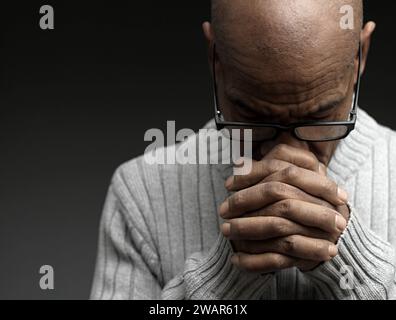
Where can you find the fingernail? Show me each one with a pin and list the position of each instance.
(342, 195)
(239, 162)
(229, 182)
(226, 229)
(340, 223)
(372, 27)
(223, 210)
(235, 259)
(333, 250)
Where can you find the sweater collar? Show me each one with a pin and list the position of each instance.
(354, 151)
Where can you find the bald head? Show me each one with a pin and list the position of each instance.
(286, 61)
(286, 32)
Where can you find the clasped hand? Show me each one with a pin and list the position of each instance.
(285, 213)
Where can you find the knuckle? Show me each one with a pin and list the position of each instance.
(313, 160)
(329, 186)
(291, 173)
(326, 216)
(279, 262)
(280, 149)
(279, 227)
(275, 189)
(271, 164)
(236, 200)
(281, 190)
(287, 245)
(284, 207)
(266, 189)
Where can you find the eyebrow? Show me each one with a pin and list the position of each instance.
(323, 107)
(245, 105)
(240, 102)
(327, 106)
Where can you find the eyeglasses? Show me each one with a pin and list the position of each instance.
(311, 131)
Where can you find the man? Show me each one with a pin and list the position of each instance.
(316, 215)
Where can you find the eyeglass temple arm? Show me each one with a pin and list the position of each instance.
(357, 91)
(216, 107)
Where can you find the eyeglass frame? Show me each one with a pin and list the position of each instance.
(350, 125)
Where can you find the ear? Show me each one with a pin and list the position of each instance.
(209, 36)
(365, 39)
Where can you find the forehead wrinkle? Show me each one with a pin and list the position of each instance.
(272, 87)
(273, 108)
(294, 91)
(307, 76)
(291, 110)
(331, 99)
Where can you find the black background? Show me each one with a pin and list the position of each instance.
(75, 103)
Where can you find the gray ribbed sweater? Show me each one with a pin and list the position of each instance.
(160, 239)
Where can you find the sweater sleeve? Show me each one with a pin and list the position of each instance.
(128, 266)
(363, 269)
(211, 276)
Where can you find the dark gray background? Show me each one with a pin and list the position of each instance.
(75, 103)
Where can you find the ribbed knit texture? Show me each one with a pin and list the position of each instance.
(160, 238)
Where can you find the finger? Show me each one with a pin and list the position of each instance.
(284, 156)
(262, 195)
(296, 246)
(263, 263)
(312, 183)
(297, 156)
(264, 228)
(322, 169)
(344, 211)
(259, 171)
(306, 265)
(305, 213)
